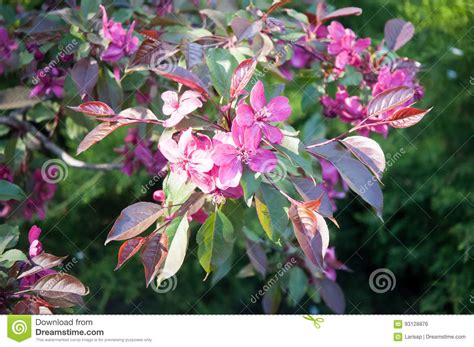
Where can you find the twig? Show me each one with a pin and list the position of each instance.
(15, 123)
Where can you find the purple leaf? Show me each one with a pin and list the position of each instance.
(353, 172)
(312, 233)
(134, 220)
(94, 108)
(245, 29)
(241, 76)
(368, 152)
(126, 117)
(342, 12)
(310, 191)
(85, 74)
(183, 76)
(153, 254)
(257, 257)
(388, 100)
(42, 262)
(128, 250)
(397, 33)
(332, 294)
(59, 285)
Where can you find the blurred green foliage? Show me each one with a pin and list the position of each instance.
(428, 232)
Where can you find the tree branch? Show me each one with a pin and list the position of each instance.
(44, 141)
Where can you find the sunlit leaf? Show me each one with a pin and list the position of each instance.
(388, 100)
(397, 33)
(94, 108)
(406, 117)
(368, 152)
(128, 249)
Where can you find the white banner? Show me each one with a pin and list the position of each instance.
(235, 330)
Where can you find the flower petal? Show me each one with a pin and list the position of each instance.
(224, 154)
(257, 96)
(201, 160)
(34, 233)
(230, 175)
(169, 148)
(272, 133)
(245, 115)
(204, 181)
(175, 118)
(264, 160)
(279, 109)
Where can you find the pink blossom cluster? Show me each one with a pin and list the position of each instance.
(49, 84)
(35, 249)
(39, 197)
(7, 47)
(121, 43)
(216, 165)
(138, 152)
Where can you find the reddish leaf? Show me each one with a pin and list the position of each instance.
(41, 262)
(342, 12)
(151, 53)
(368, 152)
(311, 191)
(59, 285)
(332, 294)
(183, 76)
(94, 108)
(134, 220)
(153, 254)
(126, 117)
(151, 34)
(311, 232)
(406, 117)
(69, 300)
(397, 33)
(241, 76)
(85, 74)
(388, 100)
(128, 250)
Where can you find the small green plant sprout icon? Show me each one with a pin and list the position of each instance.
(19, 327)
(316, 320)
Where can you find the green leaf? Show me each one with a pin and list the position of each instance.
(296, 285)
(89, 8)
(9, 191)
(250, 185)
(11, 256)
(177, 191)
(271, 212)
(221, 66)
(8, 236)
(352, 77)
(215, 240)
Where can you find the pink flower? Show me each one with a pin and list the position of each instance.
(7, 46)
(49, 84)
(349, 108)
(177, 107)
(190, 158)
(41, 194)
(259, 114)
(159, 196)
(35, 245)
(332, 264)
(122, 43)
(344, 45)
(241, 148)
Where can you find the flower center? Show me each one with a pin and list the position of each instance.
(244, 156)
(263, 114)
(218, 198)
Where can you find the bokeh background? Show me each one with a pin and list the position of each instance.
(427, 237)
